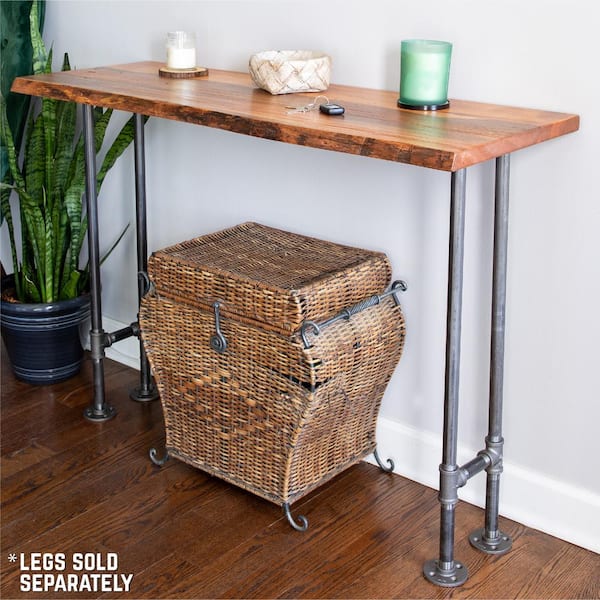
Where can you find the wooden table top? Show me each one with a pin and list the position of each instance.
(465, 134)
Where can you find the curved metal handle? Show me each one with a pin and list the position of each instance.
(304, 330)
(346, 313)
(147, 285)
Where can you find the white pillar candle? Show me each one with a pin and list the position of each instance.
(181, 50)
(181, 58)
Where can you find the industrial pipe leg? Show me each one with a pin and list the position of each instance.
(490, 539)
(146, 391)
(98, 411)
(445, 571)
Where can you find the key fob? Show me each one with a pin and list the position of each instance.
(332, 109)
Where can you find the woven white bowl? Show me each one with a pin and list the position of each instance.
(289, 71)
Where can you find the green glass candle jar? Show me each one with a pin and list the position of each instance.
(424, 73)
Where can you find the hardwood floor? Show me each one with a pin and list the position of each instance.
(69, 486)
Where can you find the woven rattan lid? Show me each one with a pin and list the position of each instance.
(268, 275)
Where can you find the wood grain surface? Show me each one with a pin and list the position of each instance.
(465, 134)
(73, 486)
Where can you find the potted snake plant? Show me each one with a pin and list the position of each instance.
(45, 301)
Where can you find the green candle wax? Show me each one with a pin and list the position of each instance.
(424, 72)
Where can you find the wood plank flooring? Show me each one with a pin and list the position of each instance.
(69, 486)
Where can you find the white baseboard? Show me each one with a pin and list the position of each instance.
(554, 507)
(538, 501)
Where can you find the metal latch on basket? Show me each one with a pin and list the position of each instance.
(218, 341)
(397, 286)
(145, 284)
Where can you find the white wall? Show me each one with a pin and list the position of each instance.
(537, 53)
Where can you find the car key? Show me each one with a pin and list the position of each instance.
(332, 109)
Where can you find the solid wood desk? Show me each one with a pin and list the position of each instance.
(449, 140)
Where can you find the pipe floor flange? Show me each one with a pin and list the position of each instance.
(498, 545)
(445, 577)
(140, 394)
(99, 416)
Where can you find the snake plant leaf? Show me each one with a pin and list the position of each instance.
(48, 267)
(61, 248)
(35, 236)
(30, 289)
(77, 167)
(9, 145)
(50, 186)
(42, 63)
(34, 166)
(65, 134)
(5, 211)
(84, 225)
(101, 121)
(86, 271)
(73, 208)
(6, 189)
(71, 286)
(76, 187)
(114, 244)
(64, 114)
(39, 55)
(66, 66)
(117, 148)
(16, 60)
(49, 123)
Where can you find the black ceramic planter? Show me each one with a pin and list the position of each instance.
(42, 340)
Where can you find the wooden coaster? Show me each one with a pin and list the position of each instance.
(183, 73)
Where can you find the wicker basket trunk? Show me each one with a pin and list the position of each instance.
(287, 394)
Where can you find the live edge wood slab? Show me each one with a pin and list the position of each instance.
(465, 134)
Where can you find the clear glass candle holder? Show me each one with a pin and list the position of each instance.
(181, 50)
(424, 74)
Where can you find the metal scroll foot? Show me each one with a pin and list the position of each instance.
(500, 544)
(453, 576)
(389, 468)
(303, 526)
(158, 461)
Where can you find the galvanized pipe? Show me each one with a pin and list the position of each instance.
(146, 390)
(497, 341)
(99, 410)
(446, 571)
(490, 539)
(474, 466)
(119, 335)
(453, 329)
(447, 518)
(454, 316)
(492, 499)
(499, 298)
